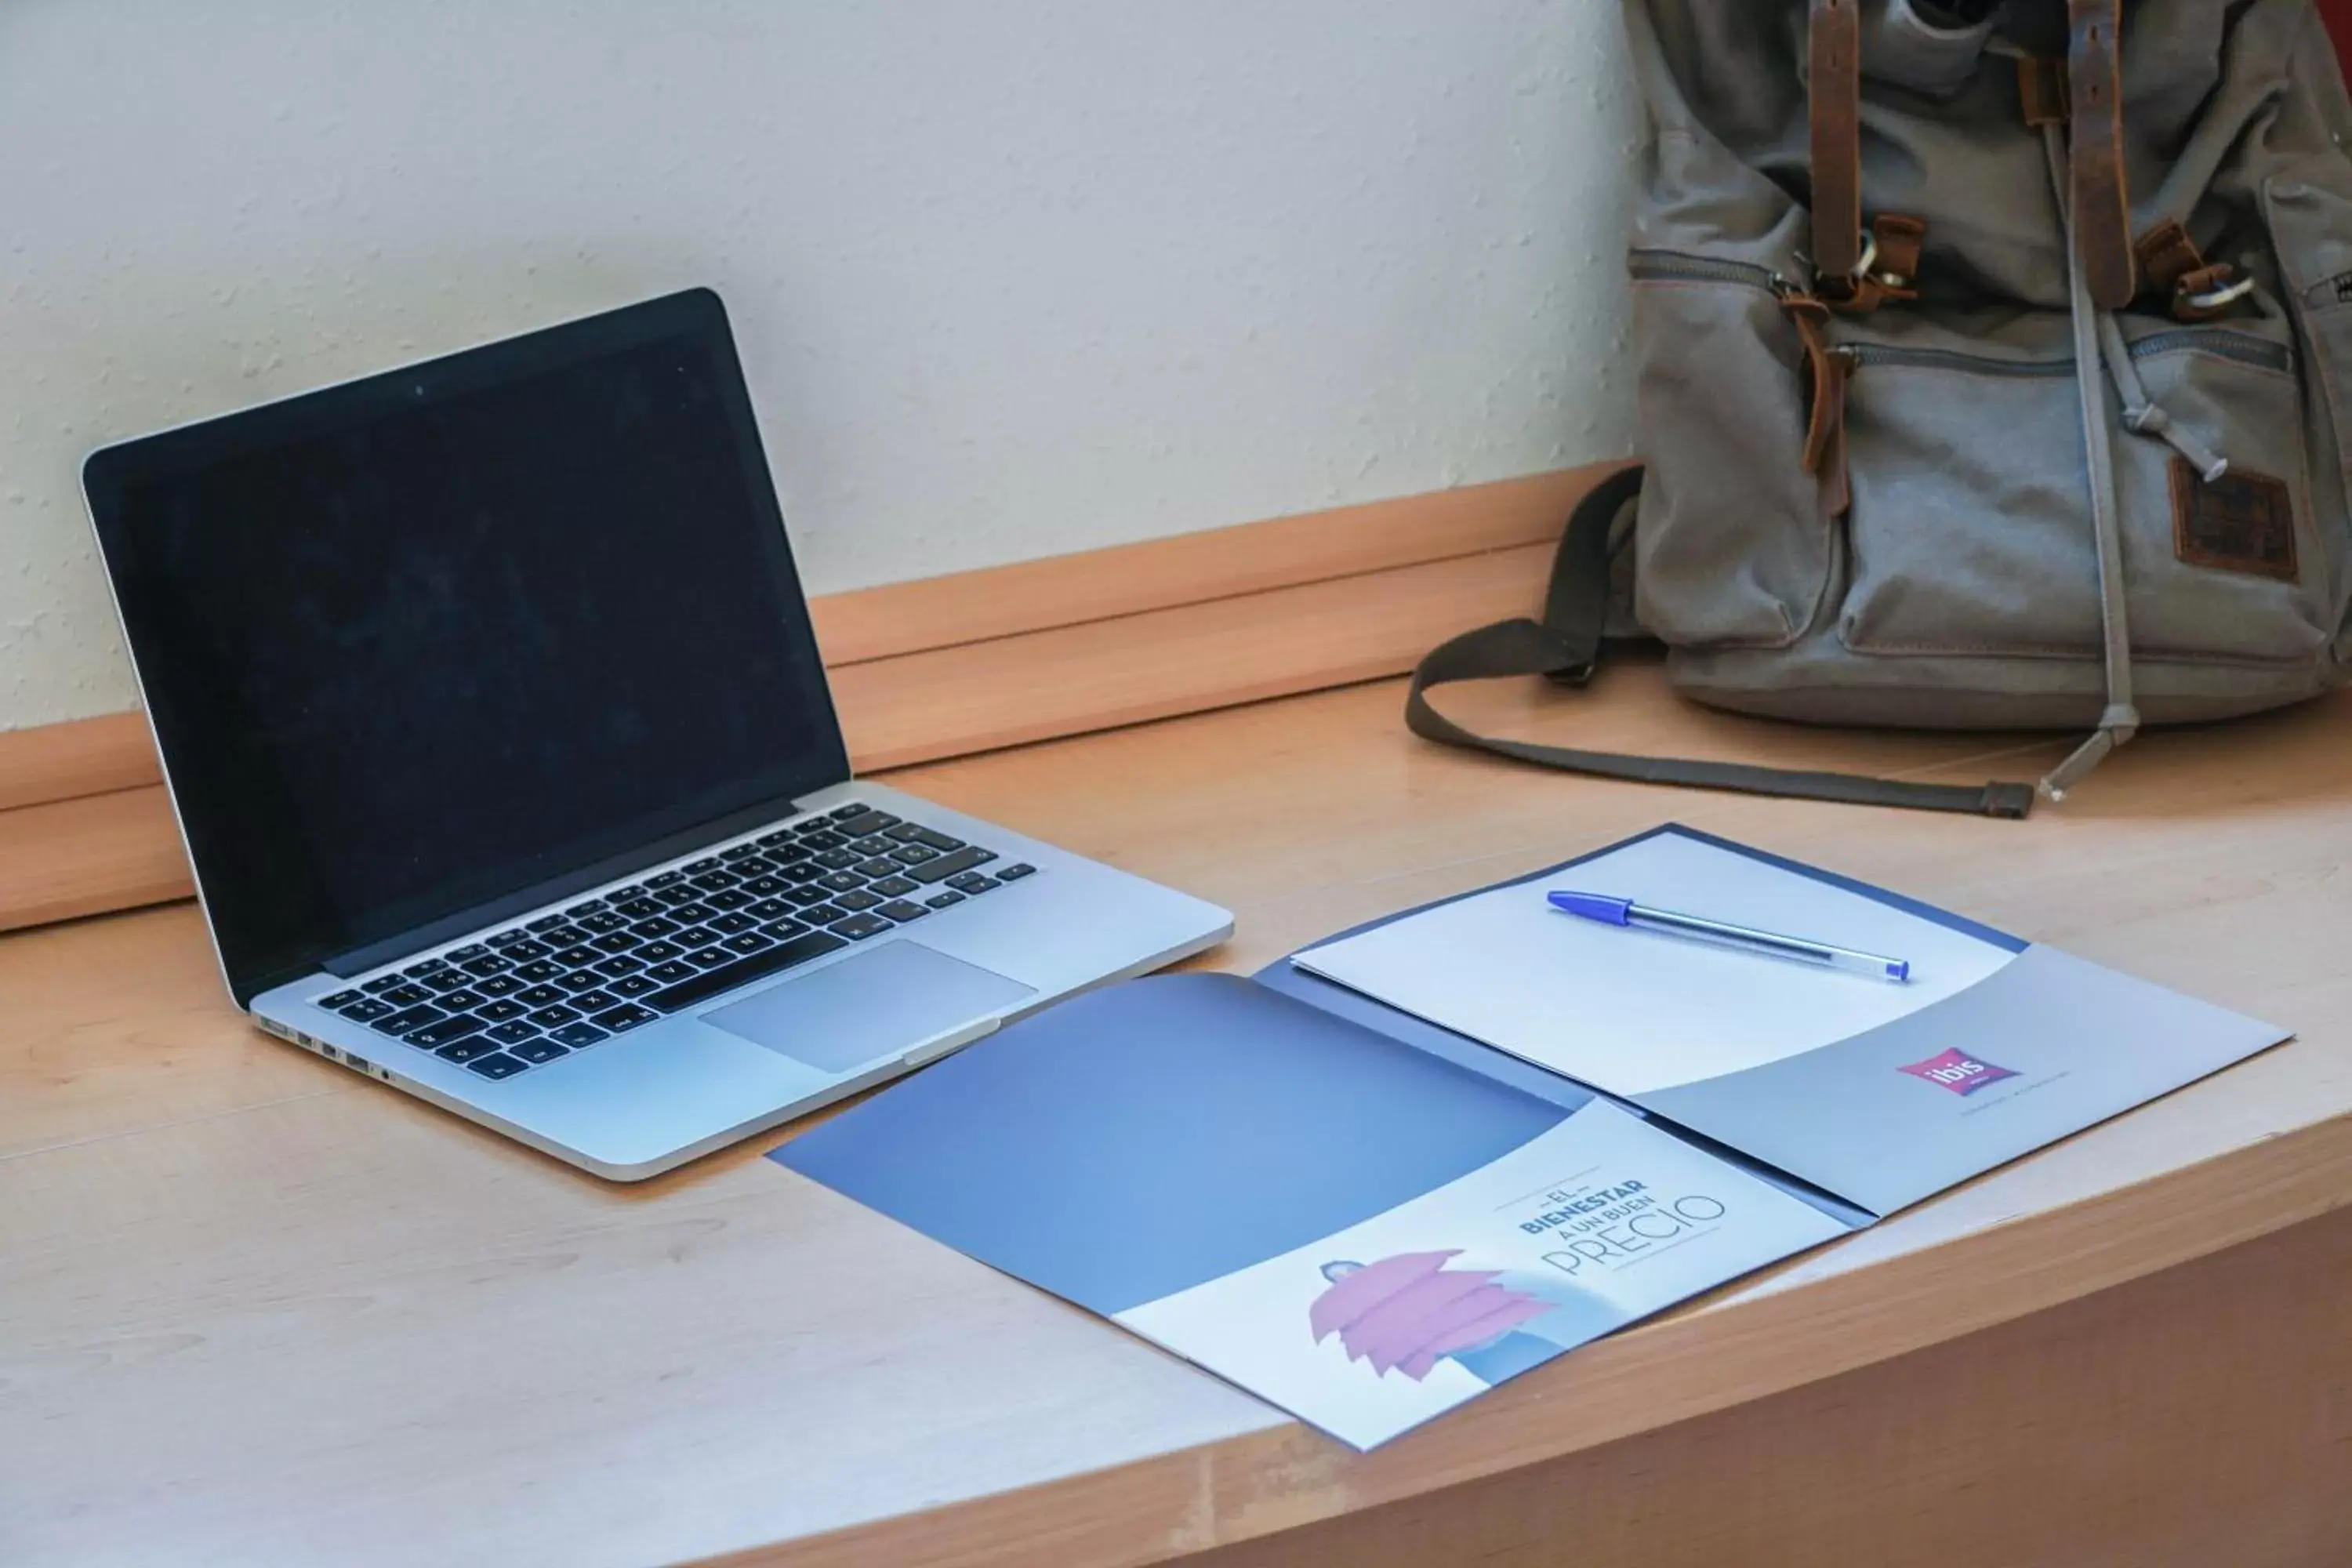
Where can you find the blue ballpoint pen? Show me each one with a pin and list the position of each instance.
(1626, 912)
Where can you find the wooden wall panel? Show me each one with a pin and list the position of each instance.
(953, 665)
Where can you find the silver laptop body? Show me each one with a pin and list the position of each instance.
(492, 711)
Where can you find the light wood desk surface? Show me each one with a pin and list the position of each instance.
(254, 1310)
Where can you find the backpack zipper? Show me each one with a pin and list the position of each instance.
(1672, 266)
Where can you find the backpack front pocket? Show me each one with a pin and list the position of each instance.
(1734, 548)
(1971, 529)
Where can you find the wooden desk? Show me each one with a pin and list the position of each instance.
(254, 1310)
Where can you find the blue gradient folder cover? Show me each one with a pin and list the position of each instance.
(1361, 1231)
(1378, 1179)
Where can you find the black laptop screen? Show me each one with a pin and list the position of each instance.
(418, 644)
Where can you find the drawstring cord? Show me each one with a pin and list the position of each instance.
(2120, 722)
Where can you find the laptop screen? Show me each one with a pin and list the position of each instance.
(451, 641)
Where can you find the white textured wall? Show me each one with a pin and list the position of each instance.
(1012, 276)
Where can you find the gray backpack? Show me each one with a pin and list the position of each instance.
(1995, 372)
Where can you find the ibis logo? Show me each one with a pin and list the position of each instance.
(1958, 1071)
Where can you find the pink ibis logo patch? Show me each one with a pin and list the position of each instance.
(1958, 1071)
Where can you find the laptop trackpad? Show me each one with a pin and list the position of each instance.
(882, 1003)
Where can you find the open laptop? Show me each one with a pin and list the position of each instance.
(491, 707)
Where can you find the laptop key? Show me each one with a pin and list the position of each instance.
(868, 826)
(936, 840)
(616, 942)
(471, 950)
(628, 1015)
(526, 952)
(737, 852)
(825, 842)
(540, 1050)
(1015, 873)
(944, 900)
(660, 952)
(634, 984)
(781, 929)
(578, 957)
(496, 1065)
(769, 910)
(654, 926)
(379, 985)
(408, 994)
(969, 883)
(823, 914)
(873, 844)
(914, 854)
(365, 1009)
(513, 1032)
(640, 908)
(697, 867)
(728, 899)
(744, 971)
(880, 867)
(902, 911)
(746, 942)
(408, 1018)
(484, 967)
(841, 883)
(679, 894)
(464, 1000)
(895, 887)
(553, 1017)
(594, 1001)
(781, 835)
(673, 971)
(433, 1035)
(857, 901)
(602, 922)
(467, 1049)
(577, 1035)
(579, 980)
(764, 887)
(844, 813)
(624, 964)
(500, 1012)
(338, 1001)
(666, 879)
(948, 865)
(839, 859)
(805, 896)
(693, 914)
(416, 971)
(544, 922)
(498, 985)
(709, 957)
(538, 970)
(506, 938)
(584, 907)
(857, 927)
(446, 980)
(541, 996)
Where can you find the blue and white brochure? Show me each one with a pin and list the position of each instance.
(1356, 1229)
(1596, 1224)
(1880, 1092)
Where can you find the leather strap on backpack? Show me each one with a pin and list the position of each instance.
(1565, 647)
(1835, 93)
(2101, 194)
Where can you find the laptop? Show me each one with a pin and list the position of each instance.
(492, 710)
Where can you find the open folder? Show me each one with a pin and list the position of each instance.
(1430, 1155)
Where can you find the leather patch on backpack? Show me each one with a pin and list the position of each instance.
(2239, 522)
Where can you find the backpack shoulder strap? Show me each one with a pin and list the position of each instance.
(1565, 646)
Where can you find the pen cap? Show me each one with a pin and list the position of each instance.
(1595, 906)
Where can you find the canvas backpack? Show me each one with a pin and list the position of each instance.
(1995, 370)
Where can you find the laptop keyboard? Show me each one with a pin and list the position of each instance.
(538, 990)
